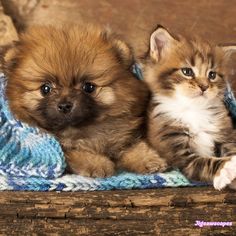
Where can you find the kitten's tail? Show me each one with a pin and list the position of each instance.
(219, 170)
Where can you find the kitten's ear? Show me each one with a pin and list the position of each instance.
(228, 49)
(161, 41)
(123, 51)
(8, 56)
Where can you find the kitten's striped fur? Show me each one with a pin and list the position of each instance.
(188, 123)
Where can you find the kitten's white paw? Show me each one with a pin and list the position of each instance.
(227, 174)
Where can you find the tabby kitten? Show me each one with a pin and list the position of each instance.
(188, 123)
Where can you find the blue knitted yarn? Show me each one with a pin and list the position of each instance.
(230, 102)
(26, 151)
(78, 183)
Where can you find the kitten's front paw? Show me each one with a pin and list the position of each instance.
(226, 175)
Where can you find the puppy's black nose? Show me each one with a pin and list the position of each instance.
(65, 107)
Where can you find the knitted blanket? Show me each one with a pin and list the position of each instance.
(32, 160)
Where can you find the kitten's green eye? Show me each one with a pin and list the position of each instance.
(212, 75)
(187, 72)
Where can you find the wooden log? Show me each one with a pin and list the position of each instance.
(170, 211)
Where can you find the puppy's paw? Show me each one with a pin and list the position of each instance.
(150, 164)
(89, 164)
(142, 159)
(226, 175)
(153, 165)
(96, 169)
(99, 170)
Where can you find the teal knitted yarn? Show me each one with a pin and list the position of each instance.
(26, 151)
(230, 102)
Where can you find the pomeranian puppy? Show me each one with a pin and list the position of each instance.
(75, 82)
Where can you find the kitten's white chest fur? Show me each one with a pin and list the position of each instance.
(197, 116)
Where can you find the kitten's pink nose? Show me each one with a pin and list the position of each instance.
(203, 87)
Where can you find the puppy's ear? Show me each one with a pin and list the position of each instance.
(8, 56)
(123, 51)
(161, 41)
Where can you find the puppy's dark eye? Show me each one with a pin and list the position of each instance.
(212, 75)
(187, 71)
(46, 89)
(88, 87)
